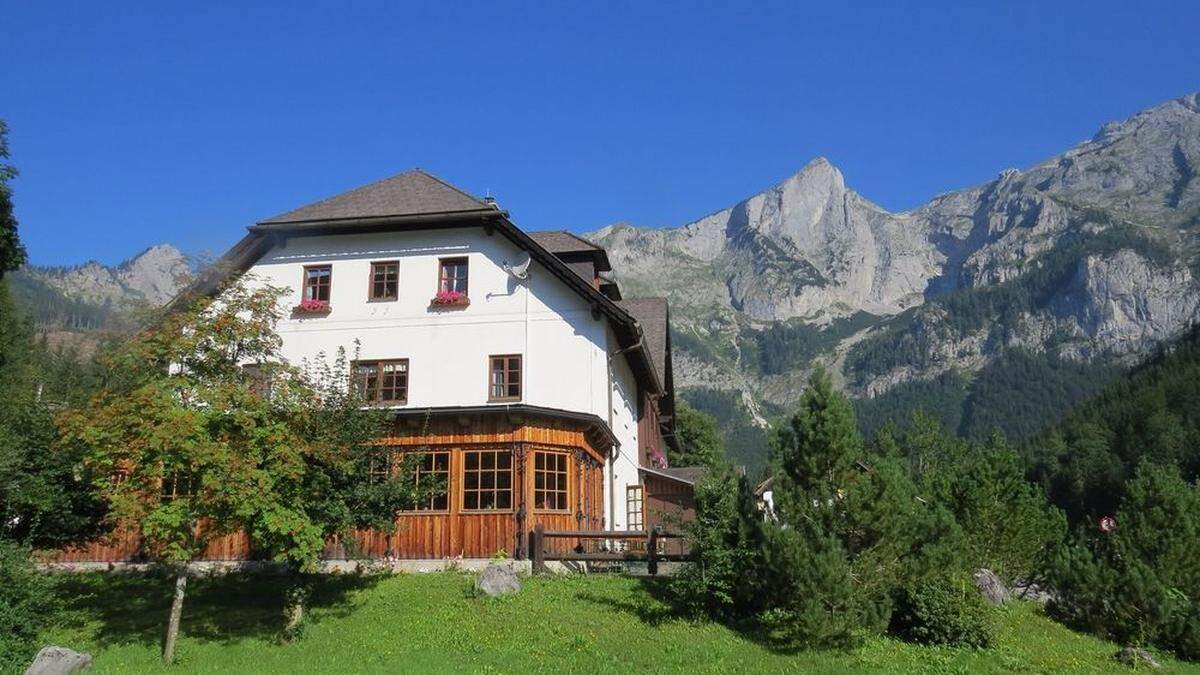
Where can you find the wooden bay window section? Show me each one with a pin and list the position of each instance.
(431, 470)
(504, 378)
(381, 382)
(550, 481)
(385, 281)
(487, 483)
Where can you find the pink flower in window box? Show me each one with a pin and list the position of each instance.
(450, 298)
(311, 306)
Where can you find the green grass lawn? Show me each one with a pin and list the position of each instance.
(431, 622)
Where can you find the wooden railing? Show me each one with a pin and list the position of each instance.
(651, 555)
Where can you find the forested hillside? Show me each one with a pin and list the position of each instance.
(1152, 414)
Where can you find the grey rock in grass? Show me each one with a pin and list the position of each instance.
(992, 588)
(497, 580)
(1136, 657)
(59, 661)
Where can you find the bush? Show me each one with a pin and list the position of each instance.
(944, 612)
(25, 605)
(726, 546)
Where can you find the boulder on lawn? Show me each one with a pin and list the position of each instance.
(992, 588)
(496, 580)
(1136, 657)
(59, 661)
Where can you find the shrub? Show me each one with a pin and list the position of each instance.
(943, 612)
(25, 606)
(726, 546)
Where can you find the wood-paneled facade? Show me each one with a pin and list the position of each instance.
(456, 531)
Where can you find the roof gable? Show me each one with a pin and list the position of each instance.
(412, 193)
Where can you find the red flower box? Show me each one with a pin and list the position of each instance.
(312, 307)
(450, 299)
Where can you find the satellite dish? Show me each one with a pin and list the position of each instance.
(521, 269)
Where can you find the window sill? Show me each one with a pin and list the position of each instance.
(372, 300)
(403, 514)
(298, 312)
(486, 512)
(516, 399)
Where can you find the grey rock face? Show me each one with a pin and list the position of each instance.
(59, 661)
(991, 587)
(153, 276)
(812, 250)
(497, 579)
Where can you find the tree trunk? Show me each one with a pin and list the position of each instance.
(176, 612)
(298, 591)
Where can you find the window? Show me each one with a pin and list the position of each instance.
(433, 469)
(487, 480)
(317, 282)
(452, 277)
(550, 481)
(382, 382)
(633, 508)
(505, 378)
(380, 468)
(176, 485)
(385, 281)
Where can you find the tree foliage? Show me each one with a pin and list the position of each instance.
(184, 445)
(1140, 583)
(12, 253)
(699, 440)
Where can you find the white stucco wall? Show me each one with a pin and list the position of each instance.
(564, 348)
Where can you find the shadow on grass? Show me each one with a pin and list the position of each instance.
(128, 608)
(656, 603)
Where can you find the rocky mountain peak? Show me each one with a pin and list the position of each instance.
(155, 275)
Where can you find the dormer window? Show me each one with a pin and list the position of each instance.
(452, 277)
(318, 280)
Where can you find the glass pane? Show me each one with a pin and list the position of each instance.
(470, 500)
(504, 500)
(504, 480)
(503, 460)
(472, 460)
(471, 481)
(487, 460)
(487, 480)
(487, 500)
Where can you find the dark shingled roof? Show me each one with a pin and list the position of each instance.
(651, 314)
(561, 241)
(684, 474)
(410, 193)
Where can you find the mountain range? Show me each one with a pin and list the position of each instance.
(1064, 271)
(993, 306)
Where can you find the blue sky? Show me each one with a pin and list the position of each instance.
(134, 125)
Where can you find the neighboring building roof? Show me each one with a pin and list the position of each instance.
(684, 474)
(561, 241)
(651, 315)
(765, 486)
(410, 193)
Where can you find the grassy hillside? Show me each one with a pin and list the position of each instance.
(431, 623)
